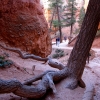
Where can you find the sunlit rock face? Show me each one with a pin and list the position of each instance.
(23, 25)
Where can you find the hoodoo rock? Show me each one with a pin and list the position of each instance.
(23, 25)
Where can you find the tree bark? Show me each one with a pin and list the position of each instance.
(85, 39)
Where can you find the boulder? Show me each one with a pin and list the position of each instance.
(23, 25)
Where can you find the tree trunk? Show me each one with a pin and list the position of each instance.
(74, 68)
(85, 39)
(71, 27)
(59, 22)
(52, 19)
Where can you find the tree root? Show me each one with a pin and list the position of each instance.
(47, 79)
(52, 64)
(89, 92)
(26, 91)
(81, 83)
(72, 83)
(36, 78)
(55, 64)
(25, 56)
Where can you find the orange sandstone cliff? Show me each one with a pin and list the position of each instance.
(23, 25)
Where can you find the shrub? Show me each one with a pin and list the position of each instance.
(61, 54)
(55, 56)
(58, 53)
(4, 62)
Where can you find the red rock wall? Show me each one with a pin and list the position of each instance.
(23, 25)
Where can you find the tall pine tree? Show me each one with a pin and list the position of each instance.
(70, 11)
(81, 17)
(56, 6)
(80, 20)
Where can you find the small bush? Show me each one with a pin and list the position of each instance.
(4, 62)
(58, 53)
(61, 54)
(55, 56)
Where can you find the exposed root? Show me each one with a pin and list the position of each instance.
(81, 83)
(89, 92)
(72, 83)
(36, 78)
(25, 56)
(30, 91)
(51, 84)
(47, 79)
(55, 64)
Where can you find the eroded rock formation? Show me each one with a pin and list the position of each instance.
(23, 25)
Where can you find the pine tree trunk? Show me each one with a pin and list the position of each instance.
(59, 25)
(71, 30)
(52, 18)
(85, 39)
(71, 26)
